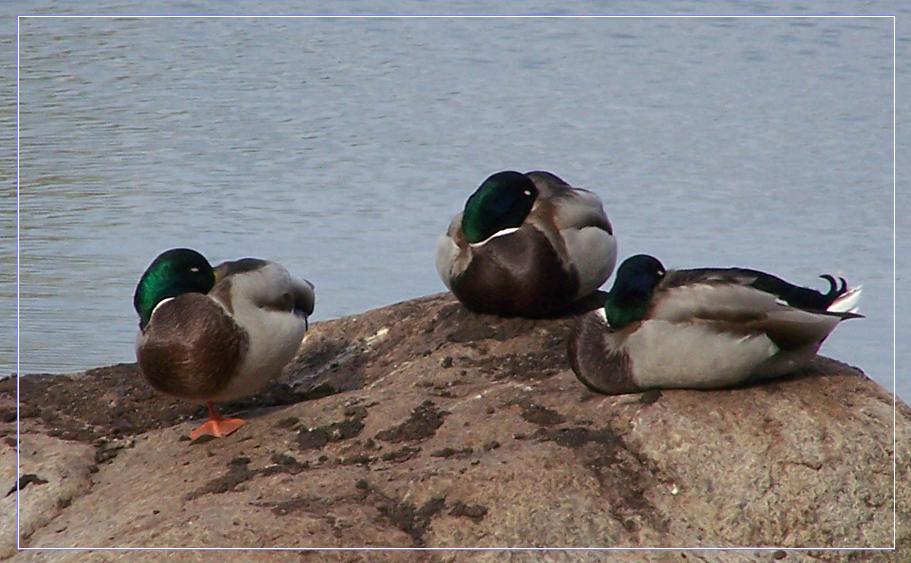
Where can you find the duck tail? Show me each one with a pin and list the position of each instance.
(846, 302)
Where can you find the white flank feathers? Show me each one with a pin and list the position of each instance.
(846, 303)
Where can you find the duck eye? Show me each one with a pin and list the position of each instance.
(194, 269)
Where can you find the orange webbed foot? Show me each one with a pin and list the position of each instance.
(218, 428)
(217, 425)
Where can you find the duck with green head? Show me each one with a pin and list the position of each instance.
(527, 245)
(702, 328)
(217, 334)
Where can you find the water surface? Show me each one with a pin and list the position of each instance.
(341, 148)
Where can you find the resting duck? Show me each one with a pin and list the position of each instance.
(527, 245)
(217, 334)
(702, 329)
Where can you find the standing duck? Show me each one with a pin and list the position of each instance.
(703, 328)
(217, 334)
(527, 245)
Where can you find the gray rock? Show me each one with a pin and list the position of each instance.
(62, 472)
(800, 461)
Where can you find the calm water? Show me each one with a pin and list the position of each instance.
(341, 148)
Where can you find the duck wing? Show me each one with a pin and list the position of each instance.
(572, 208)
(715, 294)
(744, 301)
(267, 284)
(783, 292)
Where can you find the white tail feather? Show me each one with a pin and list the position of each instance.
(847, 302)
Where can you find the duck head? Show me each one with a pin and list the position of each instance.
(502, 201)
(629, 298)
(172, 273)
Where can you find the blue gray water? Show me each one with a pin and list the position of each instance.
(341, 148)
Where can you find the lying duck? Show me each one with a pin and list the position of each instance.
(703, 328)
(527, 245)
(217, 334)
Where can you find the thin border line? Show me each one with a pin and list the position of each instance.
(465, 16)
(457, 548)
(18, 368)
(475, 16)
(894, 304)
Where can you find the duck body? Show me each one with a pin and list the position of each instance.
(223, 339)
(534, 261)
(702, 328)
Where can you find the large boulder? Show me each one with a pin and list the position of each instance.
(423, 425)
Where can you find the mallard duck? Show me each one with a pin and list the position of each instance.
(217, 334)
(703, 328)
(526, 245)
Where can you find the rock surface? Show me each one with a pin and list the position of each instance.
(423, 425)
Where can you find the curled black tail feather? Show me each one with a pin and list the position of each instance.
(834, 290)
(802, 297)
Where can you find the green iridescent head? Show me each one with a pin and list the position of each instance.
(631, 295)
(174, 272)
(503, 201)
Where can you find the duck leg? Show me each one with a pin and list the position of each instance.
(217, 425)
